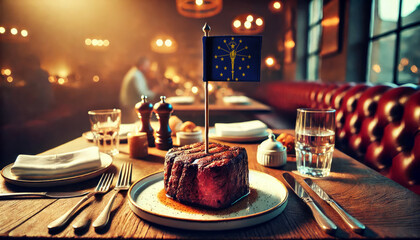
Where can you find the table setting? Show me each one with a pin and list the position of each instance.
(278, 188)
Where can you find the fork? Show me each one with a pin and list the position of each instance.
(102, 187)
(123, 183)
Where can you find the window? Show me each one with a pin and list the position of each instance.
(394, 53)
(314, 37)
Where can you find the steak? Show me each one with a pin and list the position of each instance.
(216, 179)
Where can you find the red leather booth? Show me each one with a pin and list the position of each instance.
(378, 125)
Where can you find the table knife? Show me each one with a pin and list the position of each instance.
(323, 221)
(43, 194)
(353, 223)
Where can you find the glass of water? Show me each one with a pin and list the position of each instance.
(105, 126)
(314, 141)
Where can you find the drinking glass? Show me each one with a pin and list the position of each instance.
(105, 126)
(314, 142)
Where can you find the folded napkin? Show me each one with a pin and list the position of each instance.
(55, 166)
(240, 129)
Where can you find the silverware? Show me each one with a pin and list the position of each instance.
(102, 187)
(353, 223)
(323, 221)
(43, 194)
(123, 183)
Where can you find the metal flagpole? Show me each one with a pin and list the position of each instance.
(206, 30)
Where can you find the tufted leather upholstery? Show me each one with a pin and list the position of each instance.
(378, 125)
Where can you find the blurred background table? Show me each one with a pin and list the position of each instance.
(218, 109)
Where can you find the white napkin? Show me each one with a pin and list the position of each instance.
(240, 129)
(54, 166)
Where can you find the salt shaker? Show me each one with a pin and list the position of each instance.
(271, 153)
(144, 111)
(163, 111)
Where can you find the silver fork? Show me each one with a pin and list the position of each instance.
(123, 183)
(102, 187)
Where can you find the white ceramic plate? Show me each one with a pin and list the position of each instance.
(239, 100)
(180, 100)
(267, 199)
(238, 139)
(106, 161)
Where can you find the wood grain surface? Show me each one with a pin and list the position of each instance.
(387, 209)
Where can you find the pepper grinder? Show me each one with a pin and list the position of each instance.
(144, 111)
(163, 111)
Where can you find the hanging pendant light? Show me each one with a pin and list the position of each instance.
(199, 8)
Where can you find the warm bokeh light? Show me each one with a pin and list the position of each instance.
(159, 42)
(404, 61)
(199, 2)
(211, 88)
(2, 30)
(9, 79)
(24, 33)
(51, 79)
(100, 42)
(176, 79)
(170, 72)
(376, 68)
(61, 81)
(250, 18)
(179, 92)
(414, 69)
(106, 43)
(88, 41)
(194, 90)
(188, 85)
(168, 42)
(95, 42)
(330, 22)
(269, 61)
(289, 44)
(199, 8)
(276, 5)
(400, 67)
(236, 23)
(13, 31)
(247, 25)
(6, 72)
(95, 78)
(259, 21)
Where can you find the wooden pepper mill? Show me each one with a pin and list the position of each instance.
(163, 111)
(144, 111)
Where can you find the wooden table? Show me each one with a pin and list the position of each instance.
(387, 209)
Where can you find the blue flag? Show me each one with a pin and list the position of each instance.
(232, 58)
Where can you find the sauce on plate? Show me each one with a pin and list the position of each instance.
(239, 205)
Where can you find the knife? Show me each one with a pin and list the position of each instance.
(353, 223)
(44, 194)
(323, 221)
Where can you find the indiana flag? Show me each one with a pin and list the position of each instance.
(232, 58)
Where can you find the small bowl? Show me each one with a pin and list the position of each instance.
(185, 138)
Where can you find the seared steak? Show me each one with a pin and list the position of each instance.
(215, 179)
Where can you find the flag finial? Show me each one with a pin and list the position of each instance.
(206, 29)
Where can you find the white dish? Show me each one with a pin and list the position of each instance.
(106, 161)
(267, 199)
(240, 100)
(180, 100)
(255, 138)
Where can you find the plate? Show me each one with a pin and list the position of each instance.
(181, 100)
(239, 100)
(106, 161)
(267, 199)
(255, 138)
